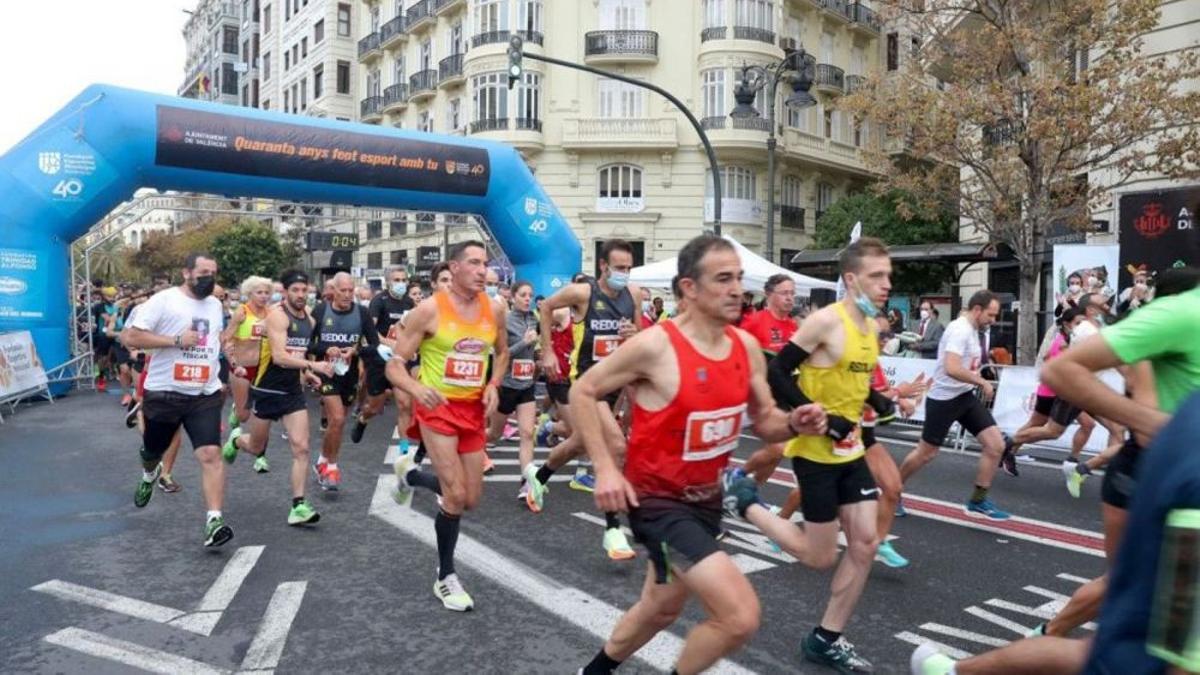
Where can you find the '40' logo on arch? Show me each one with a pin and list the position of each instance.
(539, 226)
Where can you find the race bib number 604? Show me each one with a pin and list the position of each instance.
(712, 433)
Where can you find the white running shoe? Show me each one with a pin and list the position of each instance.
(403, 492)
(523, 491)
(452, 594)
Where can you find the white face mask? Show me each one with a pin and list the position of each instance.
(1141, 286)
(924, 314)
(1074, 288)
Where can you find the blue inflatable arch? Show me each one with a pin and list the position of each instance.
(108, 142)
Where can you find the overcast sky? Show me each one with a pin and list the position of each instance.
(51, 49)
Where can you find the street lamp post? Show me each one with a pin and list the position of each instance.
(797, 67)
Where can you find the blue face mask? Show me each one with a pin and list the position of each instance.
(276, 298)
(399, 289)
(617, 280)
(492, 291)
(865, 305)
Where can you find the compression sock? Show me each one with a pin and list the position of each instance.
(827, 636)
(611, 521)
(429, 481)
(543, 474)
(1082, 469)
(979, 494)
(420, 456)
(603, 664)
(446, 527)
(296, 501)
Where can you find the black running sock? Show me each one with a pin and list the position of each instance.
(446, 527)
(979, 494)
(827, 636)
(1083, 469)
(420, 454)
(426, 480)
(603, 664)
(543, 474)
(296, 501)
(610, 520)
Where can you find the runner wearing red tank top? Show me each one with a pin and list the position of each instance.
(693, 377)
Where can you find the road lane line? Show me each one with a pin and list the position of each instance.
(267, 647)
(128, 653)
(112, 602)
(570, 604)
(1051, 595)
(961, 634)
(1037, 612)
(998, 620)
(918, 640)
(214, 603)
(1071, 577)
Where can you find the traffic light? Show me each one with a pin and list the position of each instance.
(515, 49)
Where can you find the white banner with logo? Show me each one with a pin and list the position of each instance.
(20, 368)
(1017, 394)
(901, 370)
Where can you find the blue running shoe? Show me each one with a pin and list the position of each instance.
(901, 512)
(583, 482)
(890, 557)
(986, 508)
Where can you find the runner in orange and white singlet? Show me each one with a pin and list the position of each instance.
(455, 331)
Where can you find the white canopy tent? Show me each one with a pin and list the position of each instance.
(756, 268)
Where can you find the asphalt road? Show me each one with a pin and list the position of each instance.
(93, 584)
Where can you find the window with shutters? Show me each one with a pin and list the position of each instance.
(714, 13)
(491, 16)
(622, 14)
(620, 100)
(712, 92)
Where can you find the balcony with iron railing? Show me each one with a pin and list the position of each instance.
(713, 33)
(753, 33)
(865, 19)
(493, 37)
(392, 33)
(854, 83)
(370, 109)
(1004, 132)
(616, 46)
(490, 124)
(450, 71)
(422, 85)
(829, 79)
(527, 124)
(368, 48)
(395, 98)
(792, 218)
(711, 123)
(442, 7)
(421, 16)
(837, 9)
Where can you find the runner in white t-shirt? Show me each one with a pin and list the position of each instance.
(183, 325)
(952, 399)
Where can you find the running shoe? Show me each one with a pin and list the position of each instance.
(303, 514)
(145, 488)
(324, 423)
(839, 655)
(360, 426)
(616, 545)
(1008, 458)
(583, 482)
(986, 508)
(333, 479)
(535, 498)
(523, 492)
(229, 451)
(510, 432)
(319, 471)
(889, 557)
(126, 399)
(1037, 631)
(234, 422)
(488, 465)
(738, 492)
(261, 465)
(927, 660)
(1026, 458)
(167, 484)
(216, 532)
(402, 495)
(545, 433)
(132, 416)
(101, 385)
(901, 512)
(452, 594)
(1073, 477)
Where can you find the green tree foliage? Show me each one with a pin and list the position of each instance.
(246, 249)
(895, 218)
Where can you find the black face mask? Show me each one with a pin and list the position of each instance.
(203, 287)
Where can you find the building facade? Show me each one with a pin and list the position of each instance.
(308, 58)
(217, 67)
(618, 160)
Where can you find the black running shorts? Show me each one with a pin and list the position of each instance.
(165, 411)
(966, 409)
(274, 407)
(377, 382)
(825, 488)
(1064, 414)
(559, 392)
(1043, 405)
(676, 535)
(510, 399)
(342, 386)
(1120, 476)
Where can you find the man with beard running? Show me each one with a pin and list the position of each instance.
(693, 379)
(341, 326)
(609, 318)
(182, 388)
(277, 393)
(455, 331)
(386, 310)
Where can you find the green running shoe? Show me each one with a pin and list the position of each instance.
(234, 422)
(303, 514)
(536, 496)
(229, 451)
(889, 557)
(145, 488)
(839, 655)
(927, 660)
(216, 532)
(261, 465)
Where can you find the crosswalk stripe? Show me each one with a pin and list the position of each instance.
(964, 634)
(918, 640)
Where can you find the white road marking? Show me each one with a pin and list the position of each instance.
(917, 640)
(128, 653)
(1037, 612)
(267, 647)
(570, 604)
(111, 602)
(1051, 595)
(964, 634)
(517, 478)
(1071, 577)
(998, 620)
(748, 564)
(982, 526)
(220, 594)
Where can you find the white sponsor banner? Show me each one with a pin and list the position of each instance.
(20, 368)
(901, 370)
(1017, 394)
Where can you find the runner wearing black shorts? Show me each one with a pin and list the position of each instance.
(386, 310)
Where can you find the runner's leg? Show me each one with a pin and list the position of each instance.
(526, 419)
(296, 425)
(858, 521)
(335, 414)
(922, 454)
(887, 477)
(657, 608)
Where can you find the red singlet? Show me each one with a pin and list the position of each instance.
(771, 333)
(678, 452)
(563, 343)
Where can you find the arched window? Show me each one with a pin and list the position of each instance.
(619, 188)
